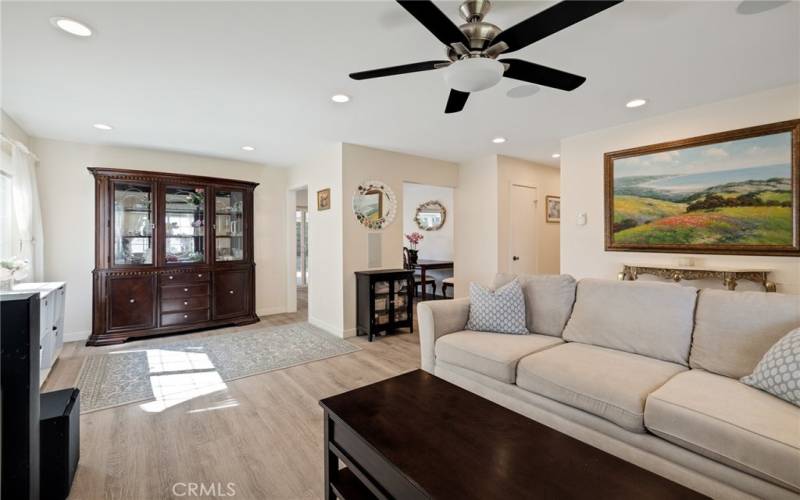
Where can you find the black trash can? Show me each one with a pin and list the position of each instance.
(59, 442)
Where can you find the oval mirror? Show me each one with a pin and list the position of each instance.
(430, 216)
(374, 204)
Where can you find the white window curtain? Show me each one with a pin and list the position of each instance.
(27, 211)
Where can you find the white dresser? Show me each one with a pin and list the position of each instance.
(51, 321)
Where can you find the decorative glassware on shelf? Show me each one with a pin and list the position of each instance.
(133, 226)
(184, 219)
(381, 287)
(229, 227)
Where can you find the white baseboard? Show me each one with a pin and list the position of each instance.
(268, 311)
(350, 332)
(327, 327)
(76, 336)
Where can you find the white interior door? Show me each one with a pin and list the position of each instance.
(523, 230)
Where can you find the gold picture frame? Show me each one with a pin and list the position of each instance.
(552, 209)
(324, 199)
(755, 210)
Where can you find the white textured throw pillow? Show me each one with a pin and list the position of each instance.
(778, 372)
(499, 311)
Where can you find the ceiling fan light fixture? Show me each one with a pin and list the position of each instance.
(474, 74)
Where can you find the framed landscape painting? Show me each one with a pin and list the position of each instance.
(733, 192)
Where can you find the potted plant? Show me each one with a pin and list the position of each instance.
(413, 240)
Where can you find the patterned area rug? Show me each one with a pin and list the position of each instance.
(170, 373)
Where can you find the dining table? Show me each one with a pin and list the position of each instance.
(425, 265)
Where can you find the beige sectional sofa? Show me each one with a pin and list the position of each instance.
(646, 371)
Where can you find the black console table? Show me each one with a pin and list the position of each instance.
(384, 301)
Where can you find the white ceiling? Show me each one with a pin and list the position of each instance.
(209, 77)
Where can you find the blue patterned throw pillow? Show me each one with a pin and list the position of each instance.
(499, 311)
(778, 372)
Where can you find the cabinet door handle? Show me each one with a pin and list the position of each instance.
(185, 316)
(172, 277)
(132, 301)
(186, 302)
(200, 275)
(230, 292)
(185, 289)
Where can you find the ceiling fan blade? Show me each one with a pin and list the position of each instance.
(435, 20)
(399, 70)
(552, 20)
(541, 75)
(456, 101)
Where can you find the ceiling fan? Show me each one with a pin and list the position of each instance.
(473, 47)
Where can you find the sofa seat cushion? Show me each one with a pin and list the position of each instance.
(492, 354)
(727, 421)
(609, 384)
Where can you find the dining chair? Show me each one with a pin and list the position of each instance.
(417, 277)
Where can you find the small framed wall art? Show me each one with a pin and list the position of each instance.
(324, 199)
(552, 209)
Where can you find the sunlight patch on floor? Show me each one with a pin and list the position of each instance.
(179, 376)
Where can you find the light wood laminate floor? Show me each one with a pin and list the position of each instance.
(261, 433)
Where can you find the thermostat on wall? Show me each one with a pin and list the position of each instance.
(581, 219)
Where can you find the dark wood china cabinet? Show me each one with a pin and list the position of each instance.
(173, 253)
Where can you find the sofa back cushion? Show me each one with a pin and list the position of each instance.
(548, 300)
(734, 330)
(643, 317)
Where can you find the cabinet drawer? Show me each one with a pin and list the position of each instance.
(132, 302)
(183, 318)
(181, 291)
(181, 278)
(185, 304)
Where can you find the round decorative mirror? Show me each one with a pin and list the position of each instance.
(430, 216)
(374, 204)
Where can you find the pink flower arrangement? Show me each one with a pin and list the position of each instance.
(414, 239)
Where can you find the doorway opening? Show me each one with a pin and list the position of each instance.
(428, 211)
(299, 263)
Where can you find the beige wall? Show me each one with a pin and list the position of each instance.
(582, 248)
(67, 197)
(476, 243)
(321, 170)
(546, 180)
(363, 164)
(483, 204)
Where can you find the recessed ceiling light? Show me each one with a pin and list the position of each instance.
(556, 155)
(635, 103)
(340, 98)
(499, 140)
(248, 148)
(523, 91)
(102, 126)
(71, 26)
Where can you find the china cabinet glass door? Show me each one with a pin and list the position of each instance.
(184, 225)
(229, 225)
(133, 224)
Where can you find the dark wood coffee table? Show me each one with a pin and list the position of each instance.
(417, 436)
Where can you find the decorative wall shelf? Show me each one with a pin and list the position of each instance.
(729, 276)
